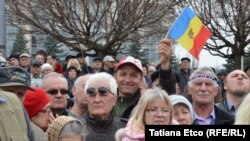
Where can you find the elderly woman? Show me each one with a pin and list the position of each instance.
(37, 105)
(153, 108)
(101, 90)
(66, 128)
(46, 68)
(182, 109)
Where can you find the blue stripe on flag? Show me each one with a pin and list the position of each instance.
(181, 24)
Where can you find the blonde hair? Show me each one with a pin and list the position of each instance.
(242, 115)
(74, 61)
(150, 95)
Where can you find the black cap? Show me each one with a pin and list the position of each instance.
(14, 76)
(68, 57)
(185, 58)
(79, 55)
(14, 56)
(97, 59)
(36, 63)
(222, 73)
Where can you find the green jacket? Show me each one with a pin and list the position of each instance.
(13, 125)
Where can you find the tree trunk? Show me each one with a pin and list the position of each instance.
(237, 60)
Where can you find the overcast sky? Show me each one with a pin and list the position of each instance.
(206, 59)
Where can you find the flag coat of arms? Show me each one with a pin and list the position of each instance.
(189, 31)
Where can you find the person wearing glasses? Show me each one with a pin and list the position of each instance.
(153, 108)
(56, 87)
(101, 90)
(37, 105)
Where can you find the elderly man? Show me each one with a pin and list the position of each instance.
(80, 107)
(57, 88)
(101, 90)
(203, 87)
(108, 64)
(129, 76)
(184, 73)
(14, 60)
(237, 86)
(96, 65)
(25, 61)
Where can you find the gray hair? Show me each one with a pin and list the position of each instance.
(74, 127)
(78, 81)
(53, 74)
(103, 76)
(204, 72)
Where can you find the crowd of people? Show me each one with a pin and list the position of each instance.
(113, 100)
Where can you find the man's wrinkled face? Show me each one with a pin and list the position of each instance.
(24, 61)
(57, 89)
(100, 99)
(203, 90)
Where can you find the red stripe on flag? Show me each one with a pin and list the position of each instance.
(199, 41)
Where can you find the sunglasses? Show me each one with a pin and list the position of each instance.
(101, 90)
(55, 91)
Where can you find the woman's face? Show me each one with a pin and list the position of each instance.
(41, 119)
(182, 114)
(158, 113)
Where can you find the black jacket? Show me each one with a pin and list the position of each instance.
(222, 117)
(167, 81)
(102, 130)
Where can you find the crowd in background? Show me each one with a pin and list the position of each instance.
(113, 99)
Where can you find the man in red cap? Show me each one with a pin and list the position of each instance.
(129, 76)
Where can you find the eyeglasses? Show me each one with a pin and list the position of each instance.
(155, 111)
(55, 91)
(101, 90)
(47, 110)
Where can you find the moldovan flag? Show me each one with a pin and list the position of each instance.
(189, 31)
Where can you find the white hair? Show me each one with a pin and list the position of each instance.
(103, 76)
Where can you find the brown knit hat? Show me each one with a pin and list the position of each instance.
(57, 125)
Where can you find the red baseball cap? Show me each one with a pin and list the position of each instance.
(130, 60)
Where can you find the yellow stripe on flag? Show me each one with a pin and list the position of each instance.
(187, 39)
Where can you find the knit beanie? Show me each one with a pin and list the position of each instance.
(57, 125)
(176, 99)
(35, 101)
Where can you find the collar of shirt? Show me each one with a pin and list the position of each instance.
(230, 106)
(205, 121)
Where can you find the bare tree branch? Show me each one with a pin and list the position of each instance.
(229, 21)
(84, 25)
